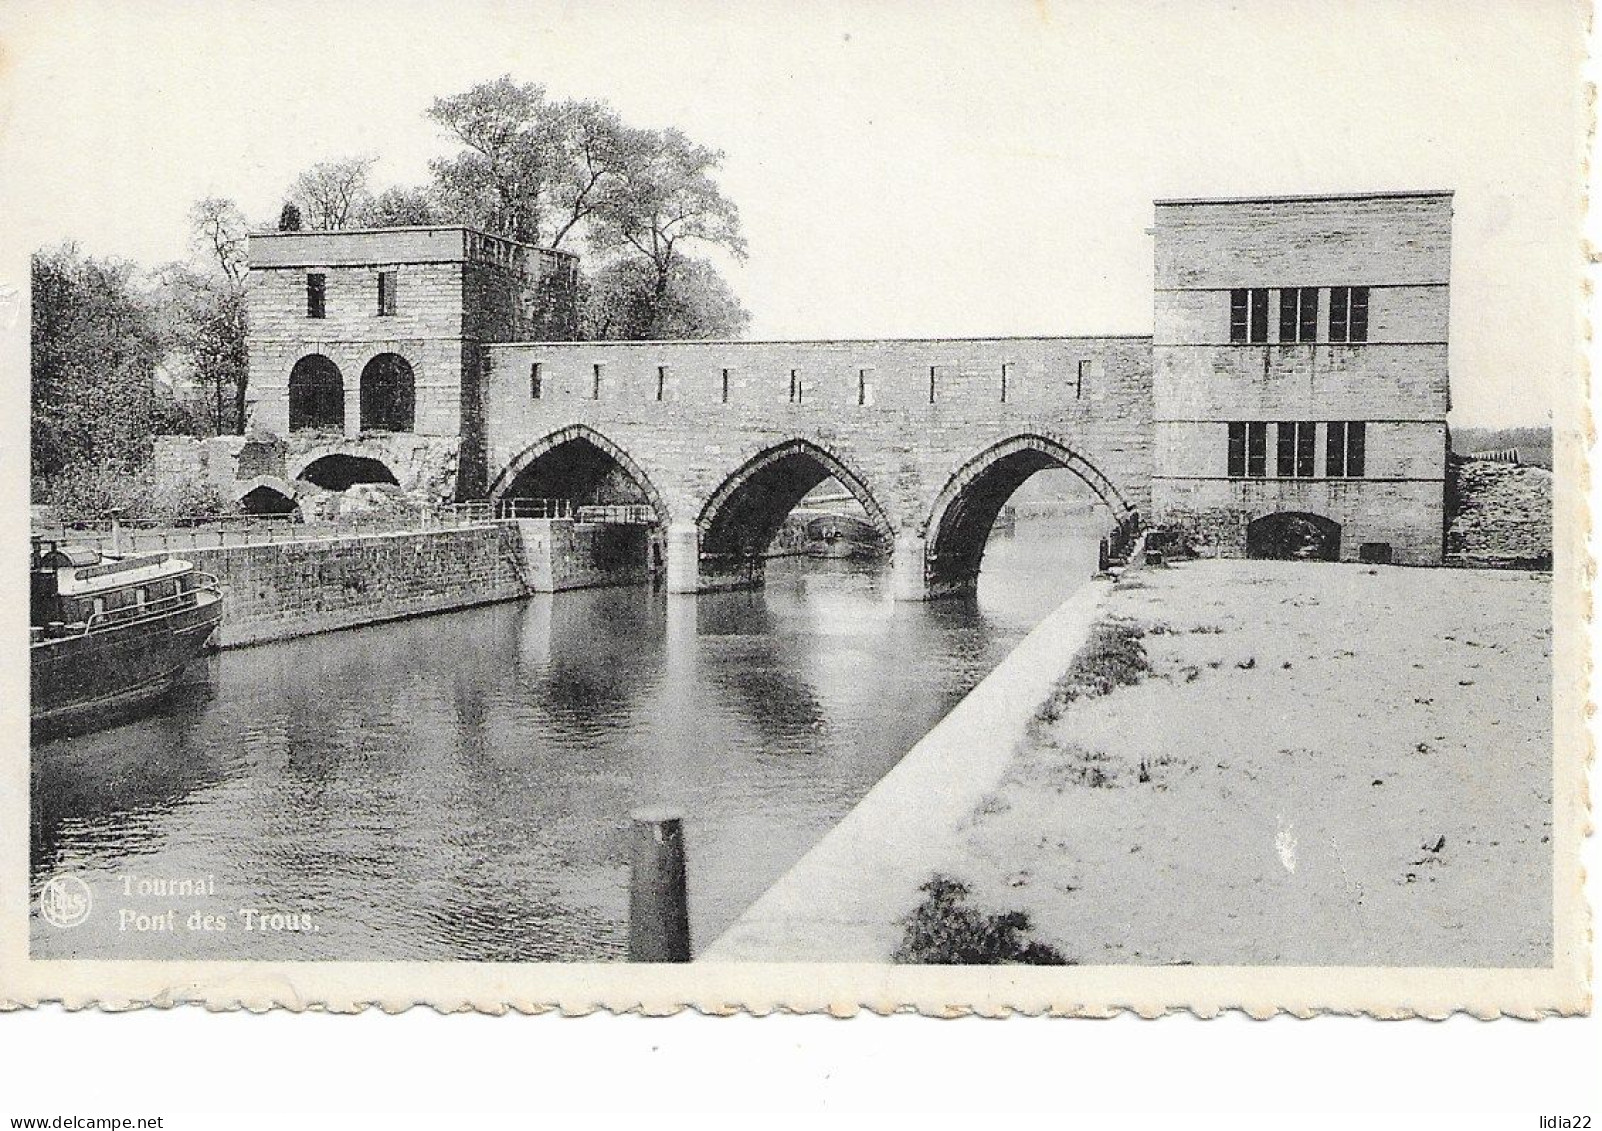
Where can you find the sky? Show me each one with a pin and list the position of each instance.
(930, 169)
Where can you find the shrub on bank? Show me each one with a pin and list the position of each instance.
(93, 493)
(945, 930)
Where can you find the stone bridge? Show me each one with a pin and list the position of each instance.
(724, 439)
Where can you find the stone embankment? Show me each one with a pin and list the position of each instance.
(1501, 515)
(288, 589)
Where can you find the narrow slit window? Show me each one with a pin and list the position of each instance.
(862, 387)
(1356, 449)
(1359, 315)
(1285, 449)
(386, 293)
(1085, 369)
(1237, 314)
(1348, 314)
(661, 382)
(595, 382)
(795, 386)
(932, 390)
(536, 381)
(316, 295)
(1298, 314)
(1237, 450)
(1335, 450)
(1306, 440)
(1345, 452)
(1256, 449)
(1006, 373)
(725, 389)
(1309, 311)
(1259, 314)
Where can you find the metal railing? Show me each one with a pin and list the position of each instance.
(628, 514)
(214, 532)
(534, 508)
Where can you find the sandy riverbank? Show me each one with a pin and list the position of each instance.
(1342, 765)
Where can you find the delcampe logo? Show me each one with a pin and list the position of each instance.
(65, 901)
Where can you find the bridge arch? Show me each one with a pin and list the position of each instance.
(339, 471)
(744, 514)
(959, 522)
(580, 464)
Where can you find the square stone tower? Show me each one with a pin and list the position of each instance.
(372, 341)
(1300, 374)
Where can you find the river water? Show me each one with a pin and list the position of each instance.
(458, 786)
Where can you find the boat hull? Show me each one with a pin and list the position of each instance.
(87, 680)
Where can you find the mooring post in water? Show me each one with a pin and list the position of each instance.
(659, 911)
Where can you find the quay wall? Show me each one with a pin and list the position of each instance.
(843, 901)
(289, 589)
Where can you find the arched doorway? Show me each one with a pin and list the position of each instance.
(316, 395)
(580, 467)
(389, 394)
(268, 495)
(341, 472)
(963, 515)
(1294, 535)
(745, 513)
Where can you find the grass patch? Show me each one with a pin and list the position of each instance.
(946, 930)
(1113, 657)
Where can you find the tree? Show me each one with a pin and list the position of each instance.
(289, 217)
(95, 347)
(400, 207)
(203, 313)
(513, 149)
(217, 235)
(206, 323)
(622, 301)
(667, 197)
(597, 152)
(331, 194)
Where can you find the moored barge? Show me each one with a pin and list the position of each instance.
(108, 635)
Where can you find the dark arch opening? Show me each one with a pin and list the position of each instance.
(583, 468)
(316, 395)
(744, 515)
(389, 394)
(967, 509)
(1294, 535)
(340, 472)
(267, 500)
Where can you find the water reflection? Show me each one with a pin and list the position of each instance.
(458, 786)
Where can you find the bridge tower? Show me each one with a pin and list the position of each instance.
(367, 347)
(1300, 385)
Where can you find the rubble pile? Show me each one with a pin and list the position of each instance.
(1500, 515)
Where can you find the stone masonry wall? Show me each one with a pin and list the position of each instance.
(558, 554)
(299, 588)
(866, 403)
(1397, 245)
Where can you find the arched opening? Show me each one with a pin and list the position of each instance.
(341, 472)
(966, 512)
(582, 468)
(1293, 535)
(744, 516)
(389, 394)
(267, 500)
(316, 395)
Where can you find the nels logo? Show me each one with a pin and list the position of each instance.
(64, 901)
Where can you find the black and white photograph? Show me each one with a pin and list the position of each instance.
(1015, 506)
